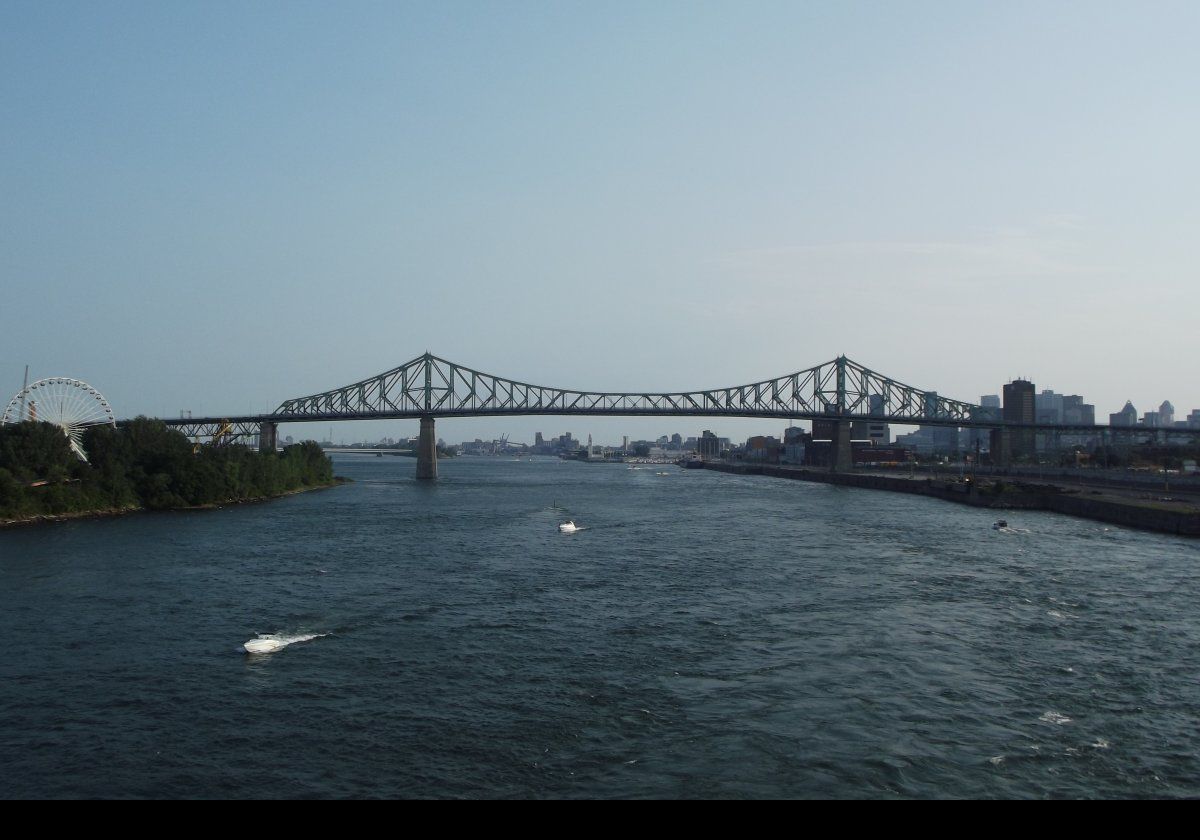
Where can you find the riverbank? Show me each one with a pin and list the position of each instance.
(1147, 512)
(106, 513)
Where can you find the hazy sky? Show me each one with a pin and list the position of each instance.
(218, 206)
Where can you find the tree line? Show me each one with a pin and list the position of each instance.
(141, 464)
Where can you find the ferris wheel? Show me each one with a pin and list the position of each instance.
(71, 404)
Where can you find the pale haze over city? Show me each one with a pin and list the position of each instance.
(215, 207)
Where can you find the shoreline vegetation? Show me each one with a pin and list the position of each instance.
(108, 513)
(142, 466)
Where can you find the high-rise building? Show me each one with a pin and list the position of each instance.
(1127, 416)
(1020, 407)
(1078, 413)
(1166, 414)
(990, 405)
(1048, 406)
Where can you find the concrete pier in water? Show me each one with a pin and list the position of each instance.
(842, 458)
(427, 450)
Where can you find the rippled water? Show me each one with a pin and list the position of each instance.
(705, 635)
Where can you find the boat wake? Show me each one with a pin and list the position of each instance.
(272, 642)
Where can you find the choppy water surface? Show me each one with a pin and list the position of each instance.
(706, 635)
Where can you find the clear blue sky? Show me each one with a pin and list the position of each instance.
(217, 206)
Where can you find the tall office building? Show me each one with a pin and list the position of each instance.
(1020, 407)
(710, 446)
(1166, 414)
(990, 409)
(1078, 413)
(1048, 406)
(1127, 416)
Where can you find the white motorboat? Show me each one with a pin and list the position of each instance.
(568, 527)
(264, 645)
(272, 643)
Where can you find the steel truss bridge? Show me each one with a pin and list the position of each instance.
(430, 387)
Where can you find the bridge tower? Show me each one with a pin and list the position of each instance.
(842, 458)
(427, 450)
(268, 436)
(1001, 447)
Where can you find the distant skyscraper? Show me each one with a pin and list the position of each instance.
(1020, 407)
(1166, 414)
(1127, 416)
(990, 403)
(1049, 407)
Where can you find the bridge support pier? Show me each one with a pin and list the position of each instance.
(427, 451)
(1001, 447)
(842, 458)
(268, 436)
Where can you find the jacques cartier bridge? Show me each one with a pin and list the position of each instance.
(428, 387)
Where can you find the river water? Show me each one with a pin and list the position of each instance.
(704, 635)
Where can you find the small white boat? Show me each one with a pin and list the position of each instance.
(568, 527)
(263, 645)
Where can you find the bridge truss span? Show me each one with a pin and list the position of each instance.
(429, 386)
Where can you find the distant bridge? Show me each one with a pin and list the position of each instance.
(428, 387)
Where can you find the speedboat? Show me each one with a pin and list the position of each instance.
(568, 527)
(999, 524)
(263, 645)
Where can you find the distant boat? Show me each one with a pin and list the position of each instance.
(568, 527)
(1000, 525)
(264, 645)
(270, 644)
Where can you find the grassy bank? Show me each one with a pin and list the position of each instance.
(110, 512)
